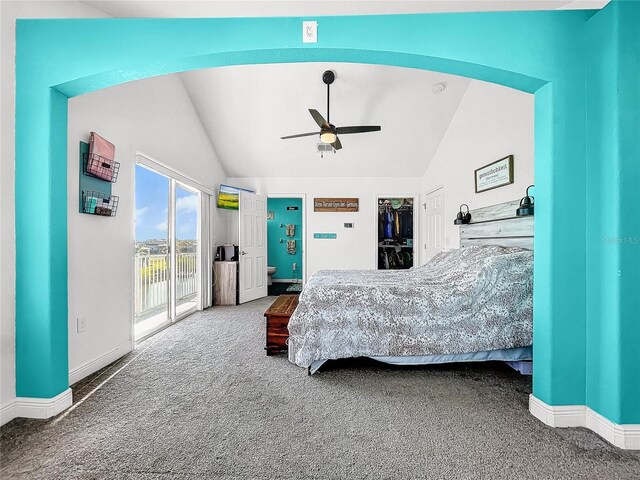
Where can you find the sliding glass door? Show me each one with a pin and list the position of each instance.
(166, 263)
(151, 263)
(186, 234)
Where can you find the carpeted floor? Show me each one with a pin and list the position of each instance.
(201, 400)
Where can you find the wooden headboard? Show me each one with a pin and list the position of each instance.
(498, 225)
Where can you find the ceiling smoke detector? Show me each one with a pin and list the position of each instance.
(439, 87)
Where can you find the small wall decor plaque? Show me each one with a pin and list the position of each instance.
(335, 204)
(494, 175)
(329, 236)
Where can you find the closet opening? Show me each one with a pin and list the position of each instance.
(395, 233)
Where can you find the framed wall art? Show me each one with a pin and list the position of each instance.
(494, 175)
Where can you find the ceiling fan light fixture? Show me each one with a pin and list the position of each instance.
(328, 137)
(328, 131)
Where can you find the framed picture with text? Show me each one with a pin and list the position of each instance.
(494, 175)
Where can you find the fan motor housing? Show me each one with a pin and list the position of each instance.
(328, 77)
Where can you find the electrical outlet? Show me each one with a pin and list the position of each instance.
(82, 324)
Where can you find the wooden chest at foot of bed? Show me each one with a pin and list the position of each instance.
(277, 316)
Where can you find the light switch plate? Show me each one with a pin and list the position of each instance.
(82, 324)
(310, 32)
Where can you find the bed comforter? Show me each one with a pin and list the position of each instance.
(466, 300)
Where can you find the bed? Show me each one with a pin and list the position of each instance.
(470, 304)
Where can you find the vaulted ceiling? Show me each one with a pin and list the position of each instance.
(246, 109)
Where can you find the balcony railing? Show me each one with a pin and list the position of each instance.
(152, 281)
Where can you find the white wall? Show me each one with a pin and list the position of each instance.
(9, 11)
(354, 248)
(154, 117)
(491, 122)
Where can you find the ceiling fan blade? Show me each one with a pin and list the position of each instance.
(322, 123)
(358, 129)
(337, 145)
(300, 135)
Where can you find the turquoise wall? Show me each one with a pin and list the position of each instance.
(613, 226)
(546, 53)
(628, 156)
(277, 255)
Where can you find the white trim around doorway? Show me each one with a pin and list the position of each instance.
(176, 180)
(153, 164)
(423, 220)
(302, 196)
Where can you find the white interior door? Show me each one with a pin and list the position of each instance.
(252, 244)
(434, 223)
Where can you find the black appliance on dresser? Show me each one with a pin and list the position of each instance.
(227, 253)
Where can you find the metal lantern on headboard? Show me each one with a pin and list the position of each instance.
(526, 204)
(462, 218)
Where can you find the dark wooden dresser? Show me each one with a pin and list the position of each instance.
(277, 316)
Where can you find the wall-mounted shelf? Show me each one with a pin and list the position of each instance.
(95, 192)
(99, 203)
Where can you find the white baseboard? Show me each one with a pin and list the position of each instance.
(50, 407)
(562, 416)
(625, 436)
(40, 408)
(102, 361)
(8, 411)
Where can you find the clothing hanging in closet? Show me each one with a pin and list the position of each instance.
(388, 224)
(395, 233)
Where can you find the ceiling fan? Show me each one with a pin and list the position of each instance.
(329, 132)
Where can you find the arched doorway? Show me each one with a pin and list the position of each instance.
(52, 68)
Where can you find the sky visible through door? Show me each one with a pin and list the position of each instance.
(152, 210)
